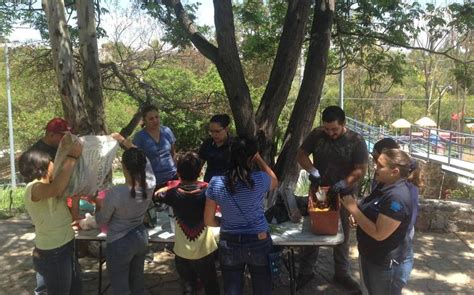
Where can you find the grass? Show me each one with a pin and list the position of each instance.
(11, 201)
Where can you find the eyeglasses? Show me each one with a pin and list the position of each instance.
(215, 131)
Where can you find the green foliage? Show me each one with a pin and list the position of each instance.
(119, 110)
(191, 98)
(34, 96)
(11, 201)
(29, 13)
(260, 25)
(174, 33)
(463, 192)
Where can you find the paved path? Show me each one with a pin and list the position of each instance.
(444, 264)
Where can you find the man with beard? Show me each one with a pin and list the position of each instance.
(339, 161)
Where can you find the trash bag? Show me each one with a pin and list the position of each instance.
(277, 211)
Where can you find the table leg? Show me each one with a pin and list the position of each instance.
(292, 271)
(100, 268)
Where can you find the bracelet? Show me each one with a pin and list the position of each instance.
(74, 157)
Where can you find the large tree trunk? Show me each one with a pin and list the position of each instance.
(91, 80)
(68, 81)
(309, 96)
(282, 74)
(230, 69)
(225, 57)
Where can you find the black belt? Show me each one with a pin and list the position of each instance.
(239, 238)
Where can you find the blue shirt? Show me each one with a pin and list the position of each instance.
(414, 192)
(250, 218)
(394, 201)
(159, 153)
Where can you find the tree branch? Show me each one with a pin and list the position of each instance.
(201, 43)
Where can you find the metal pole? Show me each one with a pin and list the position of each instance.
(10, 120)
(439, 107)
(341, 82)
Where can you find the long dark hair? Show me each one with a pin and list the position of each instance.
(134, 160)
(34, 164)
(243, 148)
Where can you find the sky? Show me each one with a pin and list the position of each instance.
(205, 16)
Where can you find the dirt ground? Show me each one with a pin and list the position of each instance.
(443, 265)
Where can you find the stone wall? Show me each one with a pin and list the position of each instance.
(445, 216)
(436, 183)
(441, 215)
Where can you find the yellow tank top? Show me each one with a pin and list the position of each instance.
(52, 220)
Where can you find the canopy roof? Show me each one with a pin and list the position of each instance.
(401, 123)
(426, 122)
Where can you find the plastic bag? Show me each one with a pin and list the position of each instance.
(93, 165)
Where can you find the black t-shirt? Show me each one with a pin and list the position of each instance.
(40, 145)
(217, 158)
(188, 202)
(335, 158)
(395, 202)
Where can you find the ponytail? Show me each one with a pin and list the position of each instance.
(241, 152)
(134, 160)
(415, 174)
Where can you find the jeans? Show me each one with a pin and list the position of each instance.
(388, 280)
(403, 270)
(238, 251)
(190, 270)
(59, 268)
(309, 254)
(126, 261)
(40, 285)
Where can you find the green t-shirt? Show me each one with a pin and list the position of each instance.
(52, 220)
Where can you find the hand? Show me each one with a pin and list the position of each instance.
(75, 225)
(340, 188)
(352, 221)
(256, 158)
(314, 177)
(118, 137)
(350, 203)
(76, 149)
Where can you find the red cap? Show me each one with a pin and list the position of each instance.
(58, 125)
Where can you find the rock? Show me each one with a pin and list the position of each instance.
(445, 216)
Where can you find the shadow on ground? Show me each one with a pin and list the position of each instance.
(443, 265)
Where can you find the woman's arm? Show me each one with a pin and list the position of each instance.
(380, 230)
(122, 140)
(265, 168)
(56, 187)
(210, 213)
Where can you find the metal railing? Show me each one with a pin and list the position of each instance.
(451, 148)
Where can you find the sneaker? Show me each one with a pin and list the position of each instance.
(303, 279)
(348, 282)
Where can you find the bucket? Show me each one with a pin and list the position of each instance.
(323, 221)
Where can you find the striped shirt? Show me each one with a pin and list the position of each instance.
(242, 212)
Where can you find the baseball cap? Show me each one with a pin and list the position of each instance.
(57, 125)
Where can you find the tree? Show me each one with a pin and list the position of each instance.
(364, 32)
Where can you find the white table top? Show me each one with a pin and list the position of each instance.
(284, 234)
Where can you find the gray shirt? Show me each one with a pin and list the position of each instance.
(121, 212)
